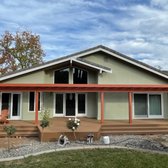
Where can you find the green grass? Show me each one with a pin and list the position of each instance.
(98, 158)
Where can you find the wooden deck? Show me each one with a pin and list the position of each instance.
(109, 127)
(58, 126)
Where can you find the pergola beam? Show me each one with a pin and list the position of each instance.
(83, 88)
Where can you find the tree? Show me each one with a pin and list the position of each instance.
(10, 130)
(45, 117)
(20, 50)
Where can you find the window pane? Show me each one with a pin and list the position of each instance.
(62, 76)
(16, 105)
(79, 76)
(140, 104)
(155, 104)
(59, 103)
(31, 101)
(81, 103)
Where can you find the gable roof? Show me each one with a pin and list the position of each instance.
(77, 57)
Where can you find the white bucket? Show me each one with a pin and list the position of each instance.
(106, 140)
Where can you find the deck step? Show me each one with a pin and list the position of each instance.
(139, 132)
(109, 129)
(132, 128)
(22, 131)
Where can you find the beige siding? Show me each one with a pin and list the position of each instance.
(123, 73)
(92, 105)
(35, 77)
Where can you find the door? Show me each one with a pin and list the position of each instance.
(12, 102)
(70, 104)
(15, 111)
(59, 104)
(148, 105)
(155, 107)
(140, 105)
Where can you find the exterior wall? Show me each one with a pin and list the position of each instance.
(35, 77)
(123, 73)
(92, 105)
(115, 106)
(165, 105)
(47, 103)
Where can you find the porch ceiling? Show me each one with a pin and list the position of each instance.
(83, 88)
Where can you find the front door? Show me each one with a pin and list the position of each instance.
(12, 102)
(70, 104)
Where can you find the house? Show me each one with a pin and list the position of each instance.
(95, 83)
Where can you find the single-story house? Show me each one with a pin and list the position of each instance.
(95, 83)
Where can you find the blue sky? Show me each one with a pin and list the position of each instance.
(137, 28)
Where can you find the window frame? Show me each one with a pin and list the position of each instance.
(148, 106)
(41, 102)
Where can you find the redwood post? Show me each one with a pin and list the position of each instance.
(102, 106)
(130, 107)
(36, 107)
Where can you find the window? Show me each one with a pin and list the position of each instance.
(61, 76)
(81, 103)
(79, 76)
(32, 101)
(59, 103)
(147, 105)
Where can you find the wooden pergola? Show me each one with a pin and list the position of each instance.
(95, 88)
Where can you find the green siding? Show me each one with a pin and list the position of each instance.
(35, 77)
(92, 105)
(115, 106)
(122, 72)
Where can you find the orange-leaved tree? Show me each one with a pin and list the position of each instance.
(19, 50)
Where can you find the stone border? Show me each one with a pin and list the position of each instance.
(79, 148)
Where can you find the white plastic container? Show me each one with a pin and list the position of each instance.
(106, 140)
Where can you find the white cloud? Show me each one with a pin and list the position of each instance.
(66, 26)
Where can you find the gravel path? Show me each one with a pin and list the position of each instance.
(154, 143)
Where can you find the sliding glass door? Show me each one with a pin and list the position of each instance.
(12, 102)
(155, 108)
(147, 105)
(140, 105)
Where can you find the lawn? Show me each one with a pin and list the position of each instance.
(99, 158)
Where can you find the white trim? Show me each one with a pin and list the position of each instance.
(85, 114)
(92, 66)
(49, 64)
(64, 105)
(11, 105)
(148, 116)
(81, 55)
(134, 63)
(55, 114)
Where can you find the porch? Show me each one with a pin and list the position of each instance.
(109, 127)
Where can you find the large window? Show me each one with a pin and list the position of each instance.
(81, 103)
(61, 76)
(147, 105)
(59, 103)
(79, 76)
(32, 101)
